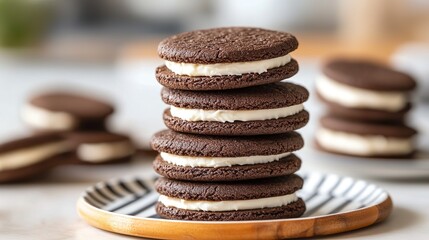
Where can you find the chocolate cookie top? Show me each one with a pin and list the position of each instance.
(30, 141)
(225, 146)
(367, 75)
(226, 45)
(222, 191)
(78, 106)
(275, 95)
(95, 137)
(366, 128)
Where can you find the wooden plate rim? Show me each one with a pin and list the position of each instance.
(260, 229)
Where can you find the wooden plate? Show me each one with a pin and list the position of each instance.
(334, 204)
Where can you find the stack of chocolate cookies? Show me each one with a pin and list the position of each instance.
(229, 151)
(367, 107)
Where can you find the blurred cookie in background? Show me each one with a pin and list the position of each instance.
(364, 90)
(31, 156)
(367, 115)
(28, 157)
(101, 147)
(61, 111)
(365, 139)
(367, 105)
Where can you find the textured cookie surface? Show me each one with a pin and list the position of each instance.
(225, 146)
(367, 128)
(226, 45)
(367, 75)
(282, 167)
(79, 106)
(237, 128)
(292, 210)
(198, 83)
(223, 191)
(276, 95)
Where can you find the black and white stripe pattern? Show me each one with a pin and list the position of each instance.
(330, 194)
(134, 197)
(323, 195)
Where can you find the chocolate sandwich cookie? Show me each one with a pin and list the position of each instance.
(267, 109)
(215, 158)
(101, 147)
(59, 111)
(364, 138)
(31, 156)
(270, 198)
(364, 114)
(364, 90)
(226, 58)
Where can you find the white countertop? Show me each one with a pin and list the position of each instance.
(45, 209)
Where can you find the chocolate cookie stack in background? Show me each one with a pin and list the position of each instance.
(69, 129)
(228, 153)
(367, 106)
(82, 120)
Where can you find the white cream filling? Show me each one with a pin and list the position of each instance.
(233, 205)
(217, 69)
(214, 162)
(32, 155)
(349, 96)
(363, 145)
(45, 119)
(100, 152)
(234, 115)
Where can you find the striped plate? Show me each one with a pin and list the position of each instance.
(334, 204)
